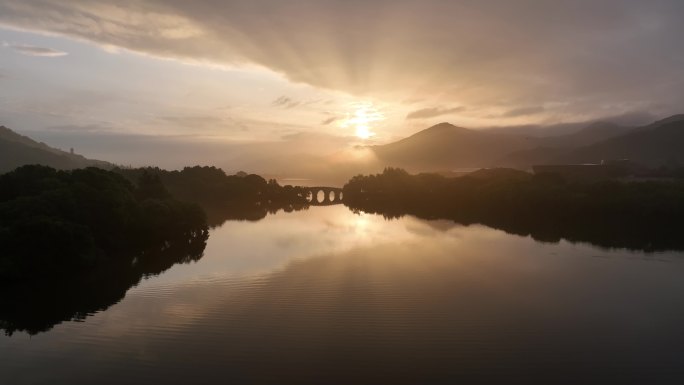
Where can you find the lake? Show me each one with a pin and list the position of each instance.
(326, 296)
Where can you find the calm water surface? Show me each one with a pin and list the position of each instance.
(327, 296)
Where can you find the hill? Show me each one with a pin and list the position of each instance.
(591, 133)
(446, 147)
(554, 147)
(654, 145)
(18, 150)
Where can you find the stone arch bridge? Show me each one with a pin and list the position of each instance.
(330, 196)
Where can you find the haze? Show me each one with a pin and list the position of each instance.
(269, 86)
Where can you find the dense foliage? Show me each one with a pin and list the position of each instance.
(55, 221)
(223, 197)
(644, 215)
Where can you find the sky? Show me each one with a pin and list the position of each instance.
(233, 82)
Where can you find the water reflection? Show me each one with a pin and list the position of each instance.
(327, 296)
(342, 298)
(248, 211)
(37, 305)
(606, 232)
(256, 247)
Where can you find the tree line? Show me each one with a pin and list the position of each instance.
(640, 215)
(57, 221)
(225, 197)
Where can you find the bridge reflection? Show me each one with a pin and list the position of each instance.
(324, 196)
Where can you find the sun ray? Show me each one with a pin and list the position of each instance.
(362, 118)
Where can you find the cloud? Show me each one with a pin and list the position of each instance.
(523, 111)
(205, 123)
(31, 50)
(330, 120)
(192, 120)
(281, 101)
(427, 113)
(285, 102)
(587, 57)
(86, 128)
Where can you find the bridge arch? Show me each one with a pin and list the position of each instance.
(323, 196)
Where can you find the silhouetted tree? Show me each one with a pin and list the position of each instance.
(643, 215)
(54, 220)
(242, 196)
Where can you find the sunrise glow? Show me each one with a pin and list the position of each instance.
(362, 119)
(335, 192)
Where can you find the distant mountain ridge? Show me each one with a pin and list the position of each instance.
(658, 144)
(444, 144)
(551, 147)
(17, 150)
(447, 147)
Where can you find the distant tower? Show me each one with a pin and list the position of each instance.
(72, 151)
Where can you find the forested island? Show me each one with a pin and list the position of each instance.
(639, 215)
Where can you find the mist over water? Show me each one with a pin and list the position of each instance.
(328, 296)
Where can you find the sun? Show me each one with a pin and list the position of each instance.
(361, 119)
(363, 131)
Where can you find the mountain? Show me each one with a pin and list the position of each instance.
(539, 131)
(656, 144)
(18, 150)
(447, 147)
(553, 147)
(592, 133)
